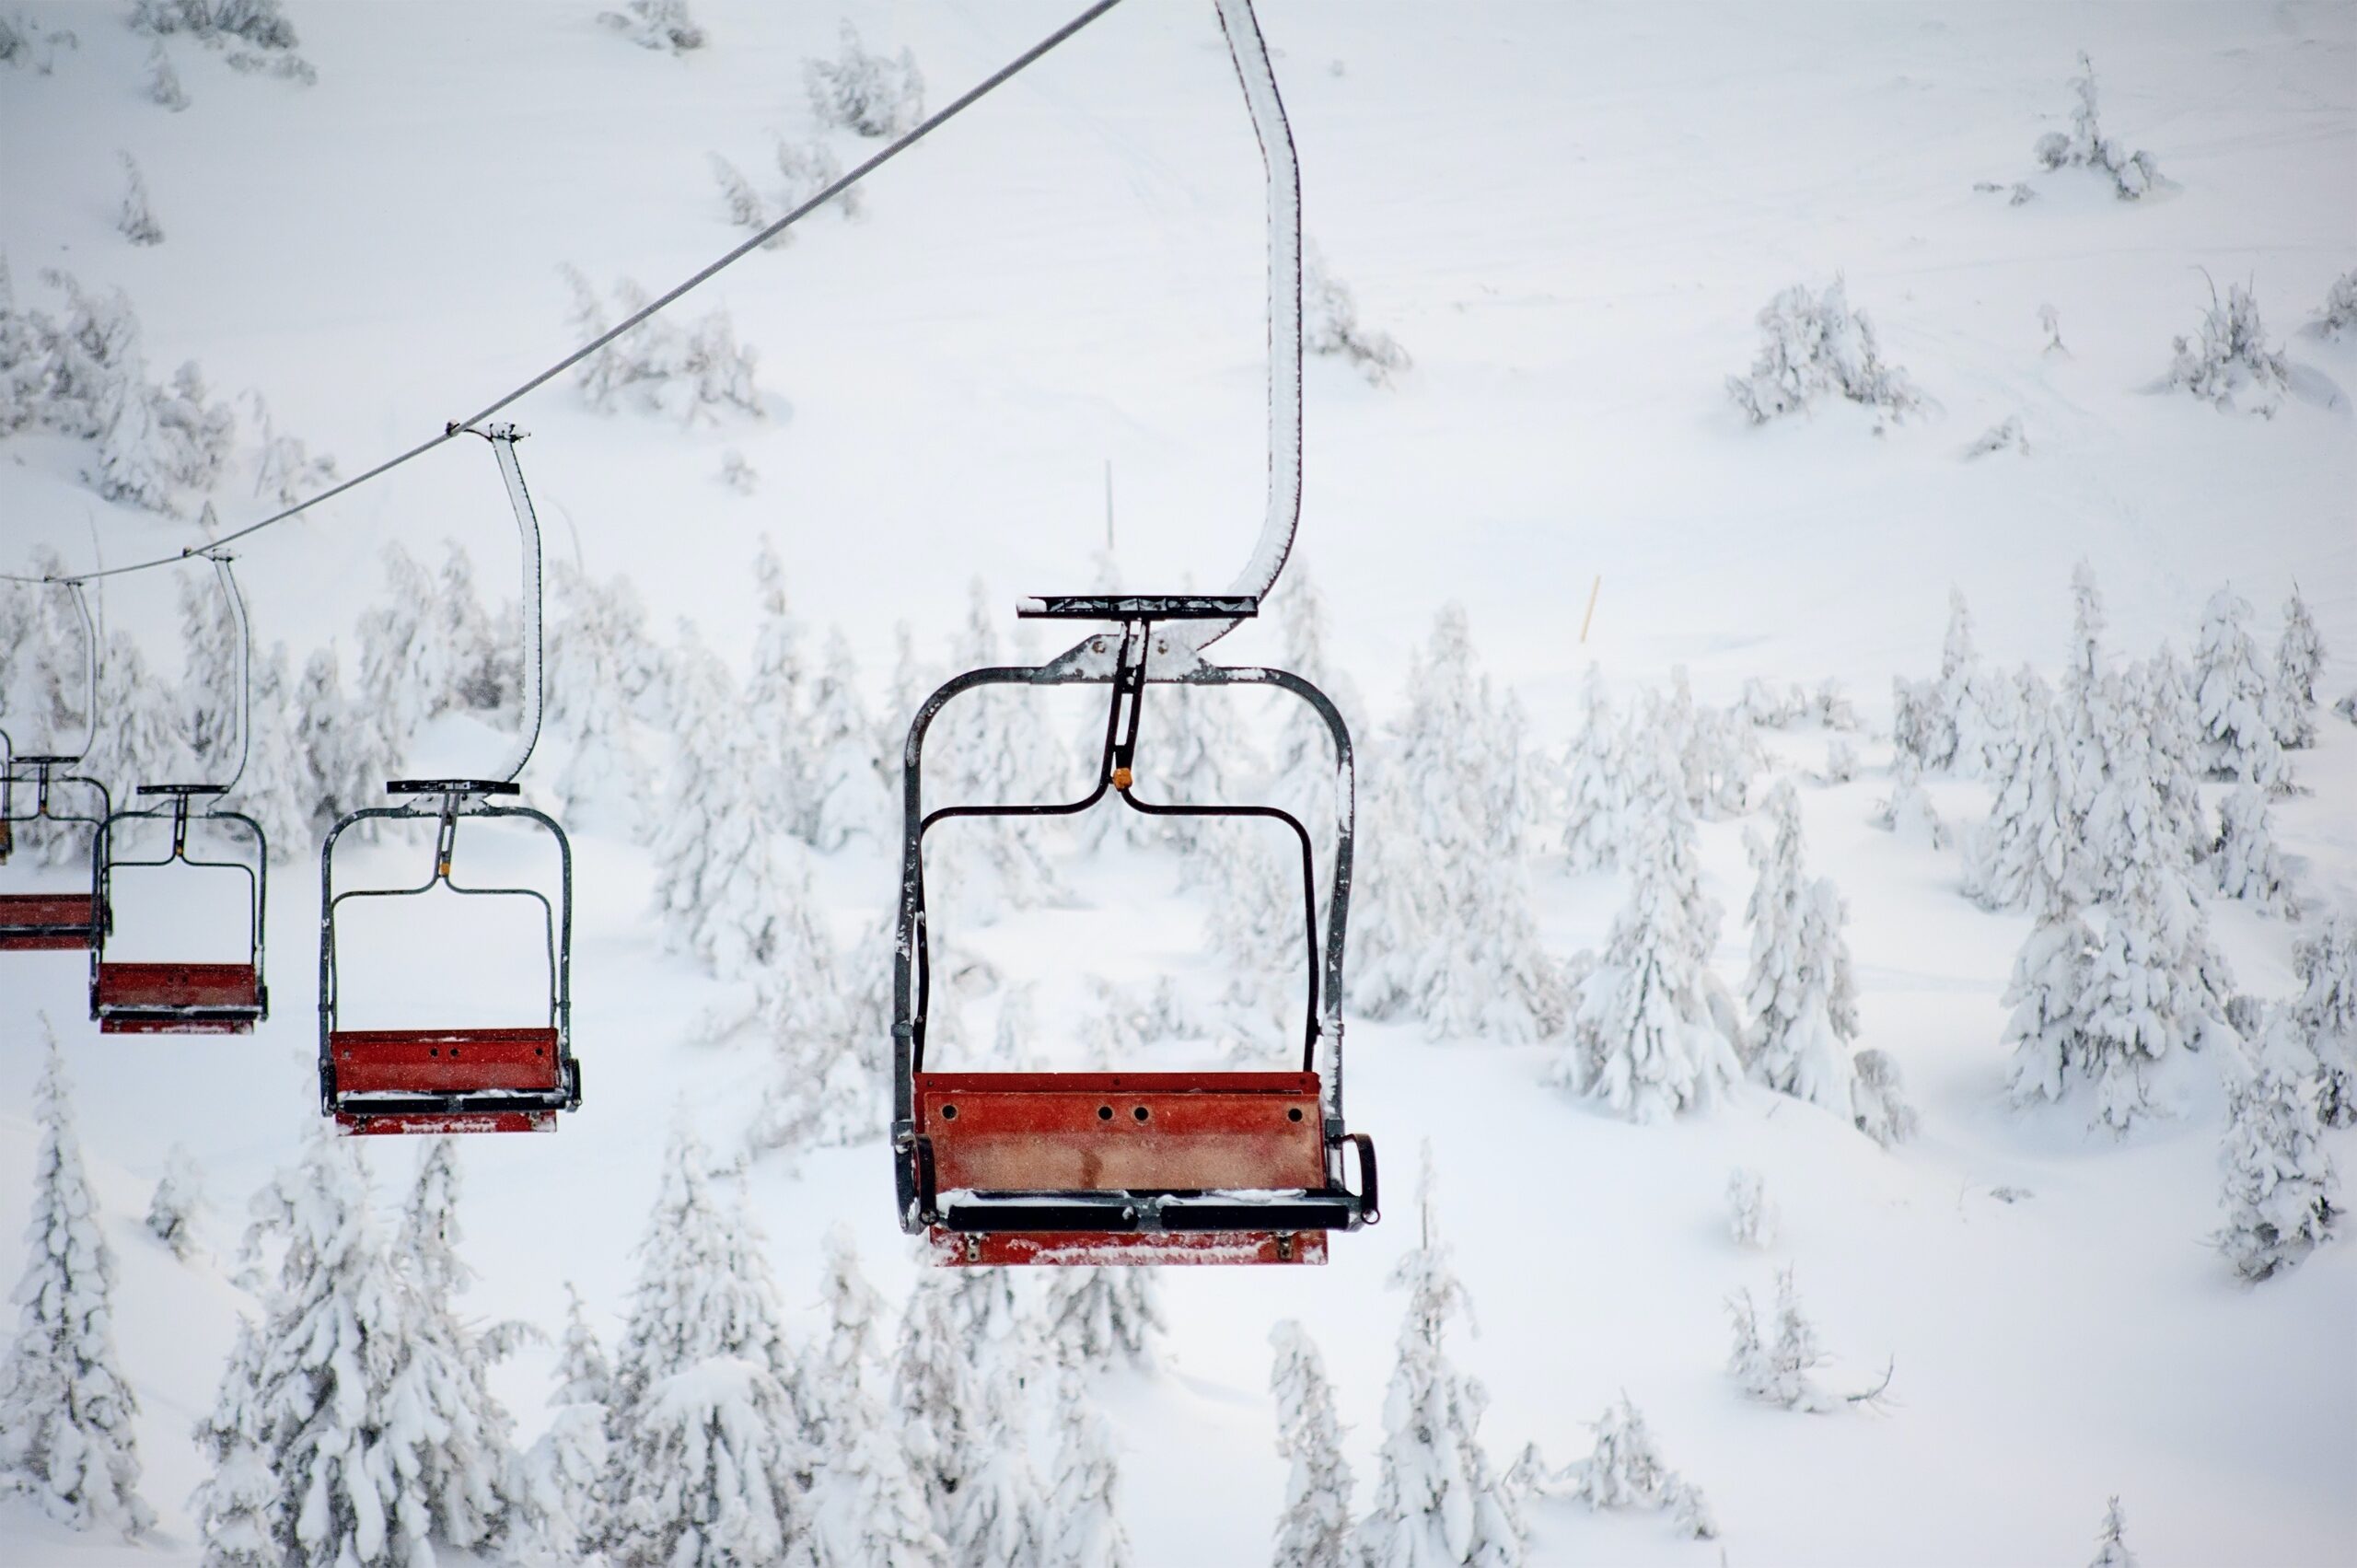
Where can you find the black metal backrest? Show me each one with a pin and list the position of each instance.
(444, 802)
(178, 811)
(1128, 671)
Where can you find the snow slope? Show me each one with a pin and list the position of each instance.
(1570, 216)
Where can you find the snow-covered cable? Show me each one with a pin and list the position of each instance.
(245, 664)
(503, 439)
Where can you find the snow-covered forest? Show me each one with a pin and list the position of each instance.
(1832, 531)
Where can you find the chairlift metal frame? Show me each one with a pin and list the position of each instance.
(68, 922)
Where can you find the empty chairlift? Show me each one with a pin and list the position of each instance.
(147, 996)
(44, 790)
(457, 1076)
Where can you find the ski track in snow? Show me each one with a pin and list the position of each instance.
(1570, 216)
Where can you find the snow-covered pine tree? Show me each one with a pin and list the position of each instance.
(1596, 788)
(1962, 729)
(867, 94)
(164, 82)
(1647, 1040)
(657, 24)
(727, 883)
(1098, 1316)
(66, 1410)
(708, 1419)
(142, 742)
(2299, 658)
(1777, 1374)
(1751, 1214)
(2029, 853)
(1087, 1527)
(2237, 702)
(403, 679)
(2111, 1543)
(846, 797)
(2325, 967)
(209, 690)
(313, 1403)
(744, 203)
(1625, 1470)
(1330, 325)
(988, 747)
(2132, 175)
(2169, 723)
(2244, 858)
(2046, 989)
(235, 1507)
(2155, 984)
(1436, 1499)
(808, 167)
(1393, 898)
(456, 1444)
(2280, 1186)
(1813, 344)
(2229, 354)
(276, 790)
(999, 1515)
(346, 751)
(136, 221)
(1314, 1531)
(179, 1199)
(564, 1469)
(937, 1394)
(133, 460)
(774, 706)
(1456, 763)
(1303, 776)
(600, 670)
(1907, 811)
(879, 1512)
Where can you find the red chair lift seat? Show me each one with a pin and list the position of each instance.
(507, 1080)
(1127, 1167)
(149, 998)
(47, 922)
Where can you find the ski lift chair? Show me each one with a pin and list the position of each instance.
(180, 998)
(455, 1079)
(1126, 1167)
(50, 921)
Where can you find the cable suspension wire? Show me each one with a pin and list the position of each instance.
(630, 323)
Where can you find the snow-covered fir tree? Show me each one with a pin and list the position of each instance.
(987, 746)
(999, 1518)
(744, 203)
(135, 220)
(1330, 325)
(731, 885)
(1436, 1499)
(598, 652)
(847, 797)
(774, 706)
(1751, 1213)
(1647, 1040)
(2299, 658)
(1595, 787)
(1456, 773)
(2338, 312)
(2280, 1184)
(657, 24)
(867, 93)
(1778, 1372)
(65, 1409)
(2169, 723)
(2229, 355)
(2236, 701)
(2046, 988)
(456, 1444)
(143, 742)
(164, 82)
(709, 1424)
(1303, 772)
(2111, 1542)
(1962, 736)
(1908, 811)
(810, 167)
(2029, 854)
(872, 1507)
(937, 1394)
(564, 1469)
(2244, 859)
(179, 1199)
(1626, 1471)
(277, 789)
(1815, 345)
(1087, 1527)
(210, 690)
(2325, 967)
(2154, 985)
(1102, 1316)
(347, 752)
(310, 1398)
(1314, 1529)
(2132, 175)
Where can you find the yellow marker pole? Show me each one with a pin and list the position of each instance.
(1593, 589)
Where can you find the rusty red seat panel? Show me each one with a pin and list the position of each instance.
(1110, 1132)
(50, 921)
(164, 987)
(444, 1061)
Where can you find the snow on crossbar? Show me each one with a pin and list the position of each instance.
(1015, 1249)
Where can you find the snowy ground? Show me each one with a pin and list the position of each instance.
(1569, 215)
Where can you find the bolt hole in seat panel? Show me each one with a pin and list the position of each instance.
(150, 998)
(45, 922)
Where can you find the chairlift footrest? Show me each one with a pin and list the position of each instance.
(453, 786)
(1138, 607)
(1097, 1248)
(438, 1124)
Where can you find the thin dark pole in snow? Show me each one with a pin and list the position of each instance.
(957, 107)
